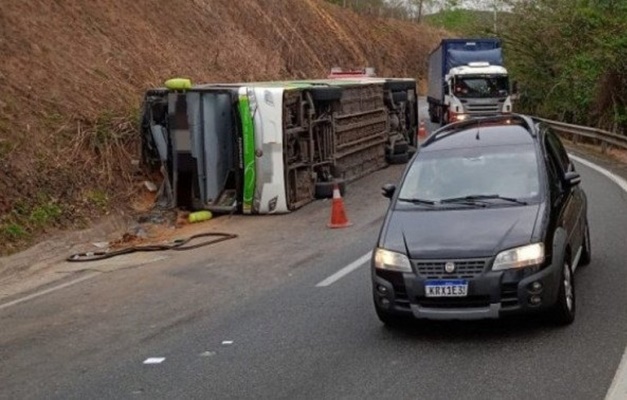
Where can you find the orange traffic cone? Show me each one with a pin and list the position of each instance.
(422, 131)
(338, 214)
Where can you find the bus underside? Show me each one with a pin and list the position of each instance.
(273, 147)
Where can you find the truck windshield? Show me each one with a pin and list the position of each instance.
(481, 86)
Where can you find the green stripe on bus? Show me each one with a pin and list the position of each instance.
(248, 142)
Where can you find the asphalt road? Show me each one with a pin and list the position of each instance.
(245, 319)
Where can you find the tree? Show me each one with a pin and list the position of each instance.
(571, 55)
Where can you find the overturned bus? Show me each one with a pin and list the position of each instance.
(272, 147)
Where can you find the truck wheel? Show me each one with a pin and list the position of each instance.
(433, 117)
(326, 93)
(324, 190)
(445, 118)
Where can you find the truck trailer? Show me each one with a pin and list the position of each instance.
(467, 79)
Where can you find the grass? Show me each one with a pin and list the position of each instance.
(13, 232)
(98, 198)
(464, 22)
(45, 214)
(26, 221)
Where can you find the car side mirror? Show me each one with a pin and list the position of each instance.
(388, 190)
(572, 178)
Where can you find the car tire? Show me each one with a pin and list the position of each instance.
(324, 190)
(389, 319)
(586, 252)
(564, 310)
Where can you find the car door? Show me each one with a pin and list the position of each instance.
(573, 202)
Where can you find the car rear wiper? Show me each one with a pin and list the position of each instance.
(479, 197)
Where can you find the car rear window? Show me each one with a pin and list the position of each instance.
(510, 171)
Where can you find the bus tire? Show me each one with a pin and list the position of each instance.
(326, 93)
(395, 159)
(399, 97)
(324, 190)
(397, 86)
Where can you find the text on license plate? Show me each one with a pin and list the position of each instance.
(446, 288)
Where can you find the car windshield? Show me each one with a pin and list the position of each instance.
(505, 175)
(481, 86)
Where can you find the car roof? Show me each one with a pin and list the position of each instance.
(495, 131)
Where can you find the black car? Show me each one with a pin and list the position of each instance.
(489, 219)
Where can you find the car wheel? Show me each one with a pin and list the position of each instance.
(586, 252)
(390, 320)
(564, 309)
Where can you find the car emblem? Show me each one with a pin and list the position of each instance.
(449, 267)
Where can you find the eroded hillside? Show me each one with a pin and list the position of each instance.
(73, 74)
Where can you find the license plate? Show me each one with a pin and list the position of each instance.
(446, 288)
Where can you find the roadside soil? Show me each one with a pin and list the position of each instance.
(304, 233)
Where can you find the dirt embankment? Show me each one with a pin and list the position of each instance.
(73, 73)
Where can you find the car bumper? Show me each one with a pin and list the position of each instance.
(492, 294)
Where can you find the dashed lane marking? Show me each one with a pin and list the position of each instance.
(346, 270)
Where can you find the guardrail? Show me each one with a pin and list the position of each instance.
(604, 138)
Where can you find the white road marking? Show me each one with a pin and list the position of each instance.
(49, 290)
(154, 360)
(227, 342)
(618, 388)
(611, 176)
(346, 270)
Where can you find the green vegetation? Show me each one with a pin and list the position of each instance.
(98, 199)
(570, 58)
(27, 219)
(44, 214)
(463, 22)
(12, 232)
